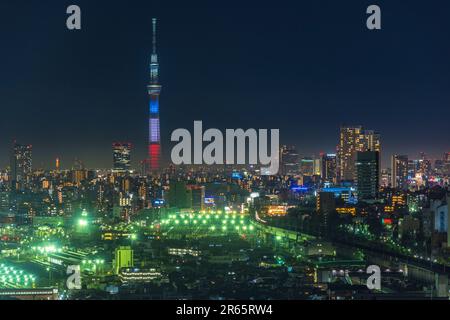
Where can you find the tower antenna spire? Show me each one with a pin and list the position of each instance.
(154, 35)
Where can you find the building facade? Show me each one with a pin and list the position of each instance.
(368, 174)
(121, 157)
(21, 166)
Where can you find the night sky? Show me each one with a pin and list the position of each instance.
(305, 67)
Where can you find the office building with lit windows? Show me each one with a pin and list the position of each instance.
(329, 168)
(399, 169)
(21, 166)
(354, 139)
(121, 156)
(367, 174)
(289, 161)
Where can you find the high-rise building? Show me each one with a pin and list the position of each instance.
(446, 169)
(326, 207)
(57, 165)
(447, 157)
(413, 168)
(4, 200)
(154, 90)
(370, 140)
(307, 166)
(318, 167)
(121, 157)
(329, 168)
(21, 166)
(367, 174)
(348, 147)
(386, 177)
(425, 165)
(439, 167)
(399, 175)
(289, 161)
(354, 139)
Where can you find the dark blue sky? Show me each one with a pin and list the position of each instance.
(305, 67)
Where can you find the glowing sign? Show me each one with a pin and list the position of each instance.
(236, 175)
(158, 202)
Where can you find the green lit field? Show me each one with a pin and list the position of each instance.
(13, 278)
(218, 222)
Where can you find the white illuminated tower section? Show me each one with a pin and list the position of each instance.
(154, 90)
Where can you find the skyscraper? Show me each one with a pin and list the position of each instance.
(57, 164)
(367, 174)
(21, 166)
(121, 157)
(354, 139)
(347, 152)
(424, 165)
(329, 163)
(446, 169)
(307, 166)
(399, 176)
(289, 160)
(154, 90)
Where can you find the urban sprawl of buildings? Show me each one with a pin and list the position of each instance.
(226, 232)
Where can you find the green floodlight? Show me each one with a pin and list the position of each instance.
(82, 222)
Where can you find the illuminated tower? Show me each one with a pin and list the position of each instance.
(154, 90)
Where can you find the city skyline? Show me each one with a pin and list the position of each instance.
(223, 152)
(85, 116)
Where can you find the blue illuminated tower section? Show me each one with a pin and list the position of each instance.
(154, 90)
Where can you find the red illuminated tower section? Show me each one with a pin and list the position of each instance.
(154, 90)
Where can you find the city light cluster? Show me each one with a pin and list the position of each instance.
(11, 277)
(212, 221)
